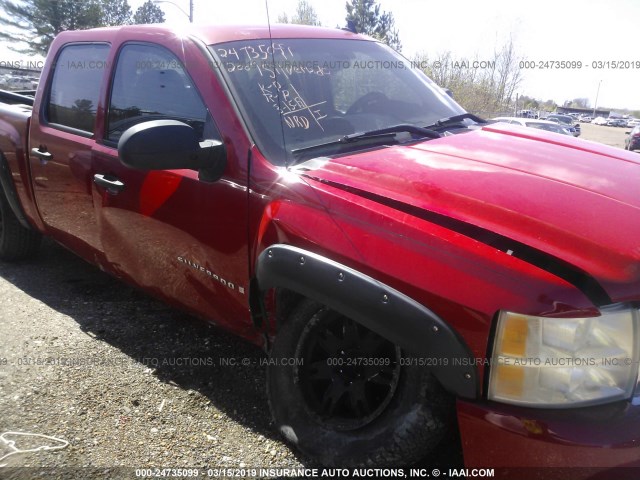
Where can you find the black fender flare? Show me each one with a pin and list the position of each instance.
(9, 190)
(386, 311)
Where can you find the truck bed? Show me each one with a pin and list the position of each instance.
(14, 98)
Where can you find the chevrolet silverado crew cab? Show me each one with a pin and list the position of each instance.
(409, 268)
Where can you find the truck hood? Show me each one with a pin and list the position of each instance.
(568, 205)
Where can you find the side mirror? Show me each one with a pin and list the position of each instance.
(170, 144)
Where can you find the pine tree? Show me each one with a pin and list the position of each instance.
(366, 17)
(33, 24)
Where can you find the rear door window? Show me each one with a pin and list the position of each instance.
(75, 86)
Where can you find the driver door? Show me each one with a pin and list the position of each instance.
(179, 238)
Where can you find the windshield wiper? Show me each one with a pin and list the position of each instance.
(456, 119)
(379, 136)
(422, 131)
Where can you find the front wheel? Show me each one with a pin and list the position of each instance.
(347, 397)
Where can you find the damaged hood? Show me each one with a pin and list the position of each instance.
(574, 200)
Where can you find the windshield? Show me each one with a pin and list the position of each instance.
(564, 118)
(298, 93)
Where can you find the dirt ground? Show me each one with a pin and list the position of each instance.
(613, 136)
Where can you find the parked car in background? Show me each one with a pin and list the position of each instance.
(585, 118)
(616, 122)
(599, 121)
(539, 124)
(566, 121)
(526, 113)
(633, 122)
(632, 142)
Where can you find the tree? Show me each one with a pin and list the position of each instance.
(148, 13)
(484, 87)
(509, 74)
(366, 17)
(580, 103)
(527, 103)
(115, 12)
(549, 106)
(305, 15)
(35, 23)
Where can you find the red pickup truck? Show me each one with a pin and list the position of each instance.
(409, 267)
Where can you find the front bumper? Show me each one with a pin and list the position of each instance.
(541, 443)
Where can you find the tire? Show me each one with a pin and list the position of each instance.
(406, 412)
(16, 241)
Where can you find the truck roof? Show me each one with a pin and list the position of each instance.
(212, 34)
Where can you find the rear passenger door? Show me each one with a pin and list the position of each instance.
(165, 230)
(61, 140)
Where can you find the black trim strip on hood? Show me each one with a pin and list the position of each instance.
(545, 261)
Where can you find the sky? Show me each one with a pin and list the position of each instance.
(588, 31)
(542, 30)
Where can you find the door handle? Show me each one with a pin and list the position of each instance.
(44, 156)
(109, 182)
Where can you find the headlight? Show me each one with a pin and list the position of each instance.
(565, 362)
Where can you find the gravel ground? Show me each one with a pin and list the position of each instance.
(138, 394)
(127, 381)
